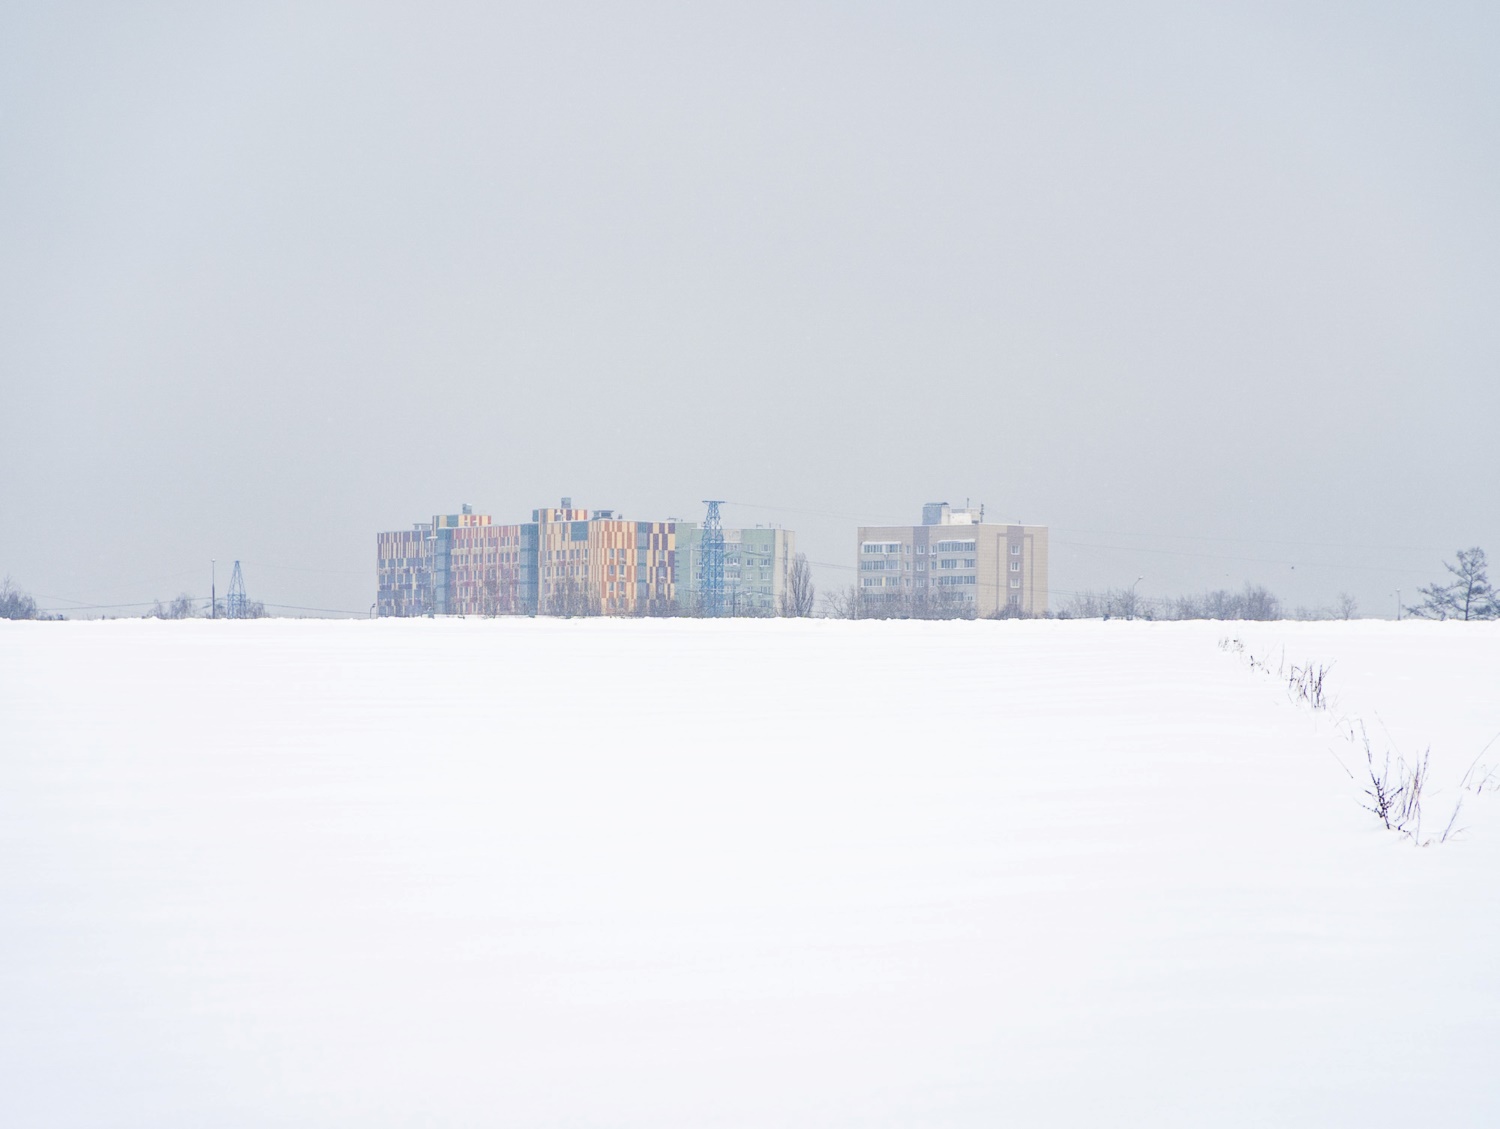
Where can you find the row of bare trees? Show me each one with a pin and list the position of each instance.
(1467, 595)
(855, 602)
(15, 604)
(1253, 602)
(571, 596)
(188, 607)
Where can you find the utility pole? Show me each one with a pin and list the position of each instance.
(213, 586)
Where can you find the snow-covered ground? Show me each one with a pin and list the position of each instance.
(695, 874)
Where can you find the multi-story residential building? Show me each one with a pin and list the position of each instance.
(757, 567)
(955, 559)
(457, 563)
(604, 564)
(404, 571)
(485, 569)
(562, 562)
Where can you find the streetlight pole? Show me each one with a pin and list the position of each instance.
(1138, 579)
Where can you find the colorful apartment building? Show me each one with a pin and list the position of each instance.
(565, 561)
(456, 563)
(603, 565)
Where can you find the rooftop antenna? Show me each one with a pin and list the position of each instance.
(711, 564)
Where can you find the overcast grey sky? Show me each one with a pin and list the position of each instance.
(1211, 290)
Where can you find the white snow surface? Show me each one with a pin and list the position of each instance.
(739, 873)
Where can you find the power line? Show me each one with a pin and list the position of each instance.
(1248, 560)
(1247, 540)
(887, 520)
(297, 568)
(97, 607)
(335, 611)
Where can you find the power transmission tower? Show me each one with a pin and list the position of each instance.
(237, 604)
(711, 564)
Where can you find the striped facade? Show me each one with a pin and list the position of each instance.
(491, 570)
(604, 565)
(403, 570)
(565, 561)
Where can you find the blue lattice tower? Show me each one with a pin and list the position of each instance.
(237, 604)
(711, 564)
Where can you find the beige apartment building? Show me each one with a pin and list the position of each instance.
(953, 558)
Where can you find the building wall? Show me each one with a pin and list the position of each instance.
(485, 571)
(403, 578)
(655, 575)
(757, 568)
(988, 567)
(563, 561)
(566, 561)
(629, 566)
(604, 565)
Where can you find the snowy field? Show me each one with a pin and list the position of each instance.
(677, 874)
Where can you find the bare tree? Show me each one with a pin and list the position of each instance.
(1469, 596)
(850, 603)
(939, 602)
(841, 603)
(1185, 607)
(1347, 606)
(1260, 603)
(1013, 611)
(15, 604)
(1254, 602)
(182, 607)
(898, 603)
(799, 597)
(1112, 603)
(572, 597)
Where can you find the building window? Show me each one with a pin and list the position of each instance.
(1015, 582)
(1015, 550)
(1015, 566)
